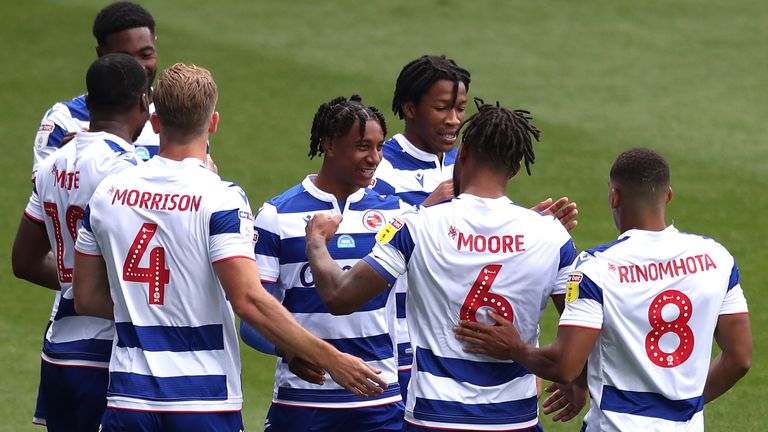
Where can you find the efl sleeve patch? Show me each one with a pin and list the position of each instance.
(390, 229)
(572, 287)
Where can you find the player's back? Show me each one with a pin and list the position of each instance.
(661, 294)
(467, 255)
(160, 227)
(65, 184)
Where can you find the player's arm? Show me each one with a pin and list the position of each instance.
(90, 287)
(250, 301)
(561, 361)
(733, 335)
(564, 211)
(31, 257)
(254, 339)
(443, 192)
(343, 292)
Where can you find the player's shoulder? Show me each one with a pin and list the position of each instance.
(373, 200)
(297, 199)
(74, 108)
(703, 242)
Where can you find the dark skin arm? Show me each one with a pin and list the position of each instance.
(561, 361)
(733, 335)
(343, 292)
(31, 257)
(90, 285)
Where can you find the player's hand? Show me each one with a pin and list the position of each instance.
(322, 227)
(564, 211)
(566, 400)
(500, 341)
(443, 192)
(210, 164)
(69, 136)
(306, 370)
(356, 376)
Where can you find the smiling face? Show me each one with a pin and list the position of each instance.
(350, 160)
(433, 123)
(138, 42)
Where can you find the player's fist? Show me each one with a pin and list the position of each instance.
(322, 227)
(443, 192)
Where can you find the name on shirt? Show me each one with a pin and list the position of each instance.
(66, 180)
(155, 201)
(492, 244)
(667, 269)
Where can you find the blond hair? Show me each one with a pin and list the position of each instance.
(185, 98)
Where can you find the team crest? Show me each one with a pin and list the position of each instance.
(345, 241)
(373, 182)
(385, 235)
(572, 287)
(373, 220)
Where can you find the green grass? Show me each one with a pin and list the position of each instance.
(685, 77)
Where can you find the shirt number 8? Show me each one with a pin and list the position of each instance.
(678, 326)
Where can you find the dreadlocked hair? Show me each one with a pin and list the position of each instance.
(334, 118)
(418, 76)
(500, 136)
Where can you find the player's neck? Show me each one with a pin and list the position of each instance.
(484, 184)
(179, 150)
(330, 184)
(641, 220)
(420, 144)
(116, 126)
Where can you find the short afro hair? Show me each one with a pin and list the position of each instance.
(120, 16)
(115, 84)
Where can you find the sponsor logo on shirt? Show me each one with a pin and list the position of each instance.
(345, 241)
(142, 152)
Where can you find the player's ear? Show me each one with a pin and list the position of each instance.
(409, 110)
(144, 103)
(669, 196)
(155, 122)
(213, 127)
(99, 52)
(614, 197)
(327, 144)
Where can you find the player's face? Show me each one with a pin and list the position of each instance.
(352, 160)
(435, 120)
(137, 42)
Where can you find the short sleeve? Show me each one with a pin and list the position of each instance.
(584, 303)
(34, 209)
(393, 248)
(86, 243)
(231, 227)
(267, 248)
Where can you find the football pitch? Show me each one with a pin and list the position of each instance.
(687, 77)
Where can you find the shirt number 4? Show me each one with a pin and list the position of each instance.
(156, 275)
